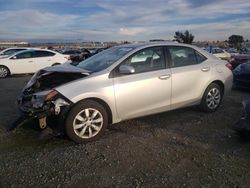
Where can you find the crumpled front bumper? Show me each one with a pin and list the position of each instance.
(55, 107)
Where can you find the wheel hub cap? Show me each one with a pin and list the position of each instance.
(213, 98)
(88, 123)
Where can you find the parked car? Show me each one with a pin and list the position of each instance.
(243, 125)
(94, 51)
(117, 84)
(242, 75)
(220, 53)
(10, 51)
(30, 61)
(239, 59)
(232, 51)
(77, 55)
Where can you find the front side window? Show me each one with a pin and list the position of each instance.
(148, 59)
(184, 56)
(24, 55)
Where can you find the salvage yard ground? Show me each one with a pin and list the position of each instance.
(179, 148)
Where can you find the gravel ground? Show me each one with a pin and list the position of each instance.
(182, 148)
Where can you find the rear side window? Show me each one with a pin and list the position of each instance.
(200, 58)
(184, 56)
(24, 55)
(40, 53)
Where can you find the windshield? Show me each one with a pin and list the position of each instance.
(104, 59)
(11, 51)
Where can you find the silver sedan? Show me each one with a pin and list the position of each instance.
(126, 82)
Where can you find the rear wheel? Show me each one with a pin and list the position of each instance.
(212, 98)
(86, 121)
(4, 72)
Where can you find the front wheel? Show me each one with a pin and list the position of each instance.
(4, 72)
(86, 121)
(212, 98)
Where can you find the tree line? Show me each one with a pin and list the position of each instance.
(186, 37)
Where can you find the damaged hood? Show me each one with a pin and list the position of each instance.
(51, 77)
(65, 69)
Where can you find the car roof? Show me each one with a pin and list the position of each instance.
(158, 43)
(151, 44)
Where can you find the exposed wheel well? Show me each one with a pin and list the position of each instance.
(220, 83)
(105, 105)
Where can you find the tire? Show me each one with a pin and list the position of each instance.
(212, 98)
(4, 72)
(86, 121)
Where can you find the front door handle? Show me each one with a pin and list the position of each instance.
(205, 69)
(30, 61)
(165, 77)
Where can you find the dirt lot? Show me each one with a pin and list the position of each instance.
(175, 149)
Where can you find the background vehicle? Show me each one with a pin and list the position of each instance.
(232, 51)
(239, 59)
(77, 55)
(125, 82)
(10, 51)
(30, 61)
(94, 51)
(220, 53)
(243, 125)
(242, 75)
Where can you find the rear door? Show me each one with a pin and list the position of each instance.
(146, 91)
(43, 58)
(190, 73)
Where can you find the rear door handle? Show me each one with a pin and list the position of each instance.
(165, 77)
(205, 69)
(30, 61)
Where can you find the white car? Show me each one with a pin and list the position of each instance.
(30, 61)
(220, 53)
(10, 51)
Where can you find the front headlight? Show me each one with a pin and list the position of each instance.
(51, 95)
(39, 99)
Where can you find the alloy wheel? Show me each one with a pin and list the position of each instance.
(87, 123)
(213, 98)
(3, 72)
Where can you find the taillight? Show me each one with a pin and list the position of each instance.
(67, 57)
(228, 65)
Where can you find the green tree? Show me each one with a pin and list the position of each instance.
(185, 37)
(235, 41)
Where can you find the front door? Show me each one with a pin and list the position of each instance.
(148, 89)
(22, 63)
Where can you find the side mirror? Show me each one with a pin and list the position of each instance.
(14, 57)
(126, 69)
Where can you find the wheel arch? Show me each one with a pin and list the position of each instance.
(54, 64)
(220, 83)
(104, 104)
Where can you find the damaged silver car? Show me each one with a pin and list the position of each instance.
(121, 83)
